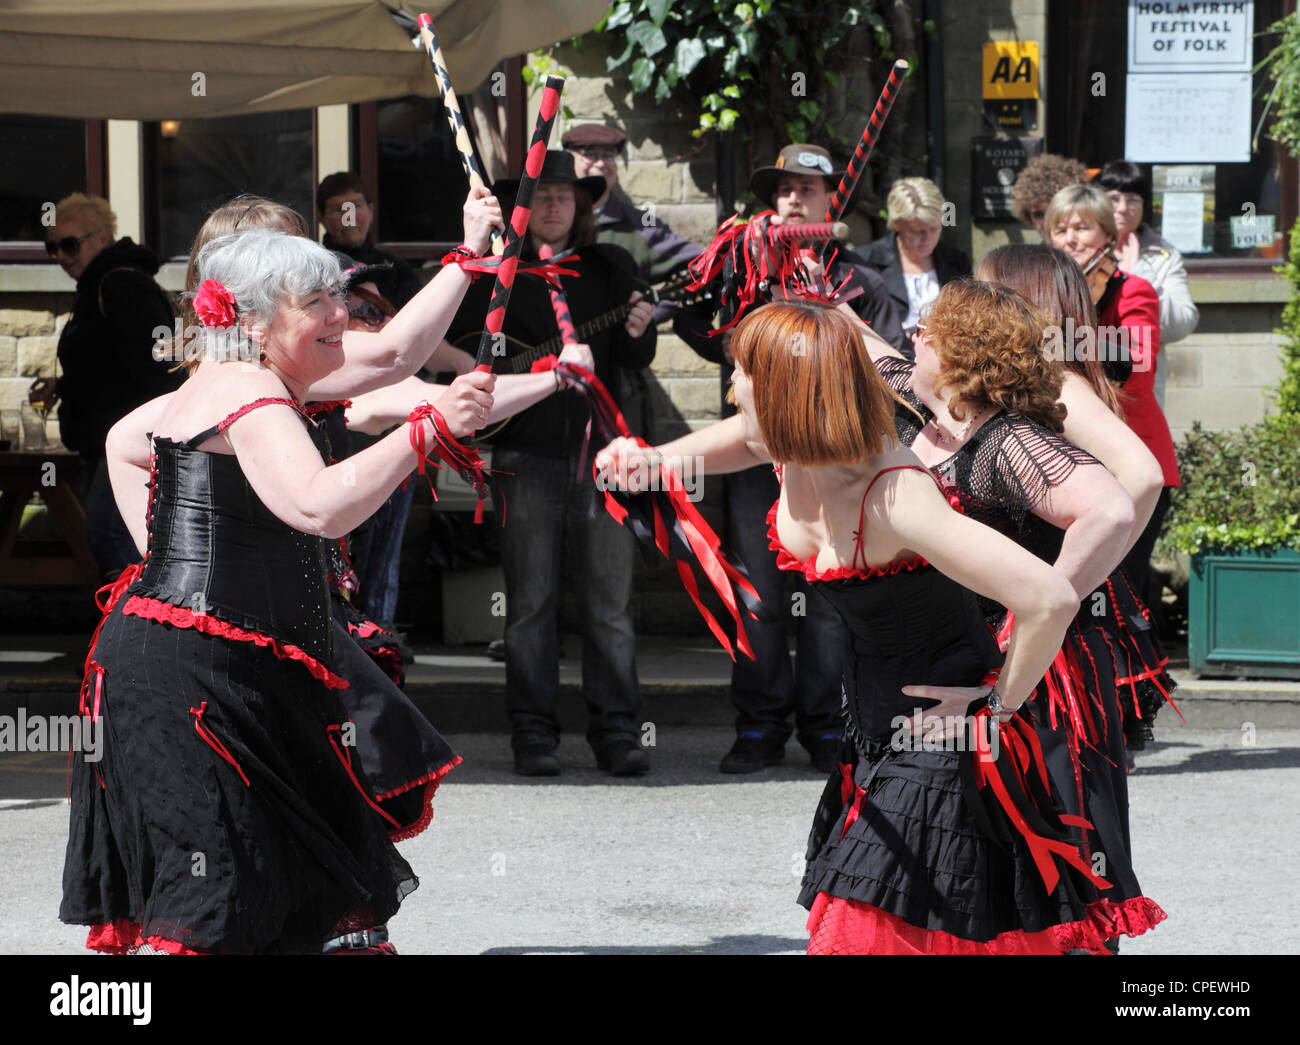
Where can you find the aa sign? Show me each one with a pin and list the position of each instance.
(1010, 70)
(1011, 85)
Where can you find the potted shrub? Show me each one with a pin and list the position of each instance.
(1238, 516)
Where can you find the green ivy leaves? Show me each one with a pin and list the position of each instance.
(731, 59)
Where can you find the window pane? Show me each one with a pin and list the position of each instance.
(204, 162)
(422, 182)
(1090, 37)
(42, 159)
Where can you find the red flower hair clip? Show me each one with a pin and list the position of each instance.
(214, 304)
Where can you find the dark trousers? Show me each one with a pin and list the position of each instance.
(545, 510)
(768, 689)
(110, 541)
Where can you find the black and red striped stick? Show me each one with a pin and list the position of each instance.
(870, 135)
(519, 218)
(468, 154)
(819, 231)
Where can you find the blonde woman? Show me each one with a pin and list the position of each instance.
(913, 262)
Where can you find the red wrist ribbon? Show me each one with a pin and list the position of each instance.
(464, 459)
(665, 518)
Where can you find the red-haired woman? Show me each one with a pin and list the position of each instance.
(924, 841)
(992, 431)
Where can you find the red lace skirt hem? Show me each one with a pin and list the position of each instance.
(430, 784)
(1106, 920)
(839, 926)
(180, 617)
(122, 936)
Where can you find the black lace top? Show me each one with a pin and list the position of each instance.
(1005, 470)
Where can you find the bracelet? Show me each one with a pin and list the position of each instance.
(460, 255)
(996, 707)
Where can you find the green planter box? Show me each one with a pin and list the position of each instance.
(1244, 613)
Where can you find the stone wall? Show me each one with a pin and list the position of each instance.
(30, 324)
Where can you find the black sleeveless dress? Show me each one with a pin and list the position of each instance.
(227, 812)
(1084, 706)
(927, 847)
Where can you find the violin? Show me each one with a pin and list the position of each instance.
(1098, 270)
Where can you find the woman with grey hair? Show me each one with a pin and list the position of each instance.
(224, 812)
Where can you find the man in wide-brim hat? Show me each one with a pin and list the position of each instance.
(768, 690)
(545, 490)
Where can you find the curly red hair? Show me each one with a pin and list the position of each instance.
(989, 344)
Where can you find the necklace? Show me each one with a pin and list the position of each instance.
(953, 440)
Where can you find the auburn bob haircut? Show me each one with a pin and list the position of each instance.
(818, 398)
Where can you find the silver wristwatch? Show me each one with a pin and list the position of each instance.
(996, 707)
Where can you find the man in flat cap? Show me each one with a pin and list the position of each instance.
(658, 251)
(769, 690)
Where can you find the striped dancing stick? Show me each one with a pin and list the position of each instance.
(468, 155)
(519, 220)
(870, 135)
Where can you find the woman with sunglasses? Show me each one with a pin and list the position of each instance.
(106, 354)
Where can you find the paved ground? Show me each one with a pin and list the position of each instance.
(689, 861)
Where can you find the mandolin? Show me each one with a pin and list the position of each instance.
(519, 357)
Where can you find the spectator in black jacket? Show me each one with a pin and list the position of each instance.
(548, 497)
(106, 352)
(913, 261)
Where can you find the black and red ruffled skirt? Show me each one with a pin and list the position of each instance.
(906, 858)
(403, 756)
(228, 813)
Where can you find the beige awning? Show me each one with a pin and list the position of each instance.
(171, 59)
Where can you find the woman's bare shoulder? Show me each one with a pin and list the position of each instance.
(212, 394)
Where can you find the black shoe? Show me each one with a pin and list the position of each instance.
(536, 759)
(825, 753)
(497, 650)
(752, 752)
(623, 756)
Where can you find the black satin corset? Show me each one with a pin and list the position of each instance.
(910, 628)
(215, 548)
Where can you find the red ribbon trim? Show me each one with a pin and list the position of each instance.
(213, 742)
(346, 761)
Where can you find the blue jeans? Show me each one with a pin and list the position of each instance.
(381, 568)
(545, 509)
(769, 689)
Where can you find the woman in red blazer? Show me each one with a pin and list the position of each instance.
(1081, 221)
